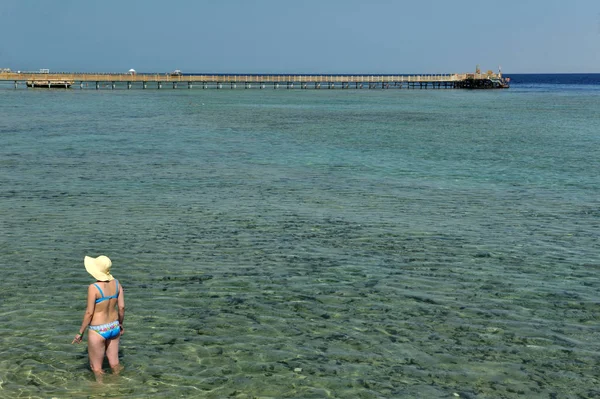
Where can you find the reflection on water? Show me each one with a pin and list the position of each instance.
(370, 244)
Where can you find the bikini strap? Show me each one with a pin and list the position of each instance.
(101, 293)
(117, 287)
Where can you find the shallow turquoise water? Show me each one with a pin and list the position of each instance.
(306, 244)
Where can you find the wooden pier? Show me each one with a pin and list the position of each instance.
(96, 81)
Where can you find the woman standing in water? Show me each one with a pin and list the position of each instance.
(104, 315)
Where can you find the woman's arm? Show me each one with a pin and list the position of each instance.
(89, 313)
(121, 306)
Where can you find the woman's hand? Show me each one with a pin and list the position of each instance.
(122, 330)
(78, 339)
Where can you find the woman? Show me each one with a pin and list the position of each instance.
(104, 320)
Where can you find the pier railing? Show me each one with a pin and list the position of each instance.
(67, 79)
(125, 77)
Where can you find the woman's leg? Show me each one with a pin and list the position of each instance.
(96, 350)
(112, 353)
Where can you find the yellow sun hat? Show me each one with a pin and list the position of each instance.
(99, 267)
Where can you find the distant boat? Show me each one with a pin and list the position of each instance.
(49, 84)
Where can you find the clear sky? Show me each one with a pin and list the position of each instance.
(301, 36)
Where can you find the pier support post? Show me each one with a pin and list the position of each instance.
(233, 85)
(262, 85)
(317, 85)
(275, 85)
(247, 85)
(81, 85)
(290, 85)
(112, 85)
(144, 85)
(159, 85)
(204, 85)
(16, 84)
(97, 85)
(174, 85)
(219, 85)
(189, 85)
(128, 85)
(304, 85)
(331, 85)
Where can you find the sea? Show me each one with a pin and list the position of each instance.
(306, 243)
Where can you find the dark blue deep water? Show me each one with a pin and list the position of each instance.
(559, 79)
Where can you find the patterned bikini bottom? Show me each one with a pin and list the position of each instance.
(109, 330)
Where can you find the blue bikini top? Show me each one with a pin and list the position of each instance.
(105, 298)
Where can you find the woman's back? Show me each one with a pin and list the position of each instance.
(107, 293)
